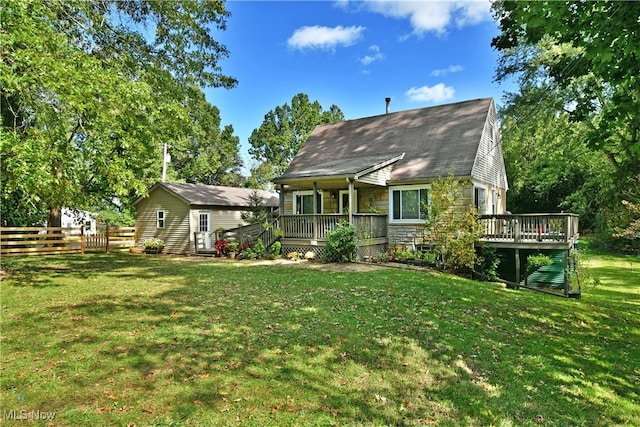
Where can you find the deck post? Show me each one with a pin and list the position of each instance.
(566, 272)
(518, 266)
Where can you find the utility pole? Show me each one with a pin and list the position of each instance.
(166, 158)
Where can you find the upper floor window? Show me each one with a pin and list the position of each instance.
(160, 217)
(409, 204)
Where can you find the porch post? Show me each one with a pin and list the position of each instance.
(351, 199)
(281, 200)
(315, 210)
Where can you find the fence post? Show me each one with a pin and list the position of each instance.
(106, 249)
(82, 243)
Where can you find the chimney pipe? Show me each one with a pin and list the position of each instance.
(388, 101)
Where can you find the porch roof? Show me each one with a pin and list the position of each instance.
(337, 171)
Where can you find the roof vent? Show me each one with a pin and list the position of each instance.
(388, 101)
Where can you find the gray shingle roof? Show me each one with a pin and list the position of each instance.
(435, 140)
(213, 195)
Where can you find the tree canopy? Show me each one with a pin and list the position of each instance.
(282, 133)
(90, 92)
(576, 117)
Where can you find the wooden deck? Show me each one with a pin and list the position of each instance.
(525, 231)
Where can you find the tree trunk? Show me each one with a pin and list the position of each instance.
(55, 220)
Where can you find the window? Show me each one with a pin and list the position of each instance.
(480, 200)
(203, 221)
(303, 202)
(409, 203)
(160, 216)
(344, 201)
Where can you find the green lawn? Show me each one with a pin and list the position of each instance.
(153, 340)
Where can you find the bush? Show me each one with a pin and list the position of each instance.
(536, 261)
(153, 243)
(221, 247)
(276, 249)
(488, 263)
(342, 244)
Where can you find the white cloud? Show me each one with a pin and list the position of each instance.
(375, 55)
(444, 71)
(430, 16)
(319, 37)
(437, 93)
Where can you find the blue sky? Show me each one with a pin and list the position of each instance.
(353, 54)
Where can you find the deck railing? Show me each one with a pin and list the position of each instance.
(317, 227)
(549, 228)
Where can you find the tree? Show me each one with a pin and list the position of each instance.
(90, 91)
(452, 226)
(601, 64)
(209, 153)
(584, 56)
(257, 211)
(285, 129)
(549, 167)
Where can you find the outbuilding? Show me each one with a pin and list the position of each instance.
(175, 212)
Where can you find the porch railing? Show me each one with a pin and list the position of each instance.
(549, 228)
(317, 227)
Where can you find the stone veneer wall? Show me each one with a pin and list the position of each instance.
(407, 235)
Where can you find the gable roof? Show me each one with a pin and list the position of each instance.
(434, 141)
(214, 195)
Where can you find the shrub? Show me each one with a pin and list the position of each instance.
(488, 263)
(259, 249)
(276, 249)
(153, 243)
(536, 261)
(342, 244)
(221, 247)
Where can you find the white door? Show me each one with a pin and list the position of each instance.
(204, 227)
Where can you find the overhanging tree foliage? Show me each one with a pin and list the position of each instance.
(91, 90)
(283, 131)
(584, 56)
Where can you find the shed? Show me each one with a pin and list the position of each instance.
(173, 212)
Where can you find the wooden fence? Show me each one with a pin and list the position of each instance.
(58, 240)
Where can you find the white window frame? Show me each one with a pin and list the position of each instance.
(161, 218)
(201, 214)
(402, 188)
(341, 207)
(494, 201)
(307, 193)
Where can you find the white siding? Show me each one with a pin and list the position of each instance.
(489, 163)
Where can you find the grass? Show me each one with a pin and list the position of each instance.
(141, 340)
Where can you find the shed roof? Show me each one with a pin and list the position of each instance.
(214, 195)
(434, 140)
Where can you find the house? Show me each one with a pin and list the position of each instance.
(176, 212)
(74, 218)
(376, 172)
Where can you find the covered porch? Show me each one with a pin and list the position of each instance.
(303, 233)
